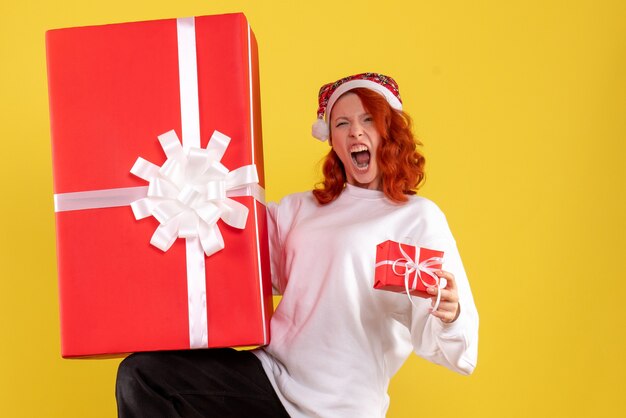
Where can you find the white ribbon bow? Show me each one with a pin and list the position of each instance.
(188, 193)
(411, 267)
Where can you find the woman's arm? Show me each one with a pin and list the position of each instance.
(448, 337)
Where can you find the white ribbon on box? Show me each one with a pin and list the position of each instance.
(188, 194)
(413, 268)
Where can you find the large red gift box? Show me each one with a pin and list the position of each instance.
(399, 266)
(113, 90)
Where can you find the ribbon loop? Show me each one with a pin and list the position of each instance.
(235, 214)
(211, 239)
(208, 212)
(165, 235)
(160, 187)
(199, 161)
(215, 190)
(216, 170)
(188, 227)
(167, 210)
(144, 169)
(242, 177)
(187, 195)
(217, 145)
(173, 170)
(171, 145)
(142, 208)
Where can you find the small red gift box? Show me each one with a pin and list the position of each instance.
(401, 266)
(113, 90)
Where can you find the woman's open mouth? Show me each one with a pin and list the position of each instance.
(360, 156)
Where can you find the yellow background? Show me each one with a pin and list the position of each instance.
(522, 109)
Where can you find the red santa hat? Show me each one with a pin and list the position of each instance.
(329, 93)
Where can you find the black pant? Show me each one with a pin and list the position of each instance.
(222, 383)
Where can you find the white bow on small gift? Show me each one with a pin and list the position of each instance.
(411, 267)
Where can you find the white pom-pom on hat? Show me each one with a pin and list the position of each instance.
(320, 130)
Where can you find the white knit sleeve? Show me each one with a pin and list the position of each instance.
(453, 345)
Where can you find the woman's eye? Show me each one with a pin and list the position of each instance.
(339, 124)
(368, 119)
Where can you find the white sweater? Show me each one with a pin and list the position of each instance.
(336, 341)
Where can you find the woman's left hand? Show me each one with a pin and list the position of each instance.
(449, 307)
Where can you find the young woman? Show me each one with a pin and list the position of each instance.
(336, 341)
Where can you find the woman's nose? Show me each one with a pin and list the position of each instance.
(356, 129)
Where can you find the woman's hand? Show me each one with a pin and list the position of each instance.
(449, 307)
